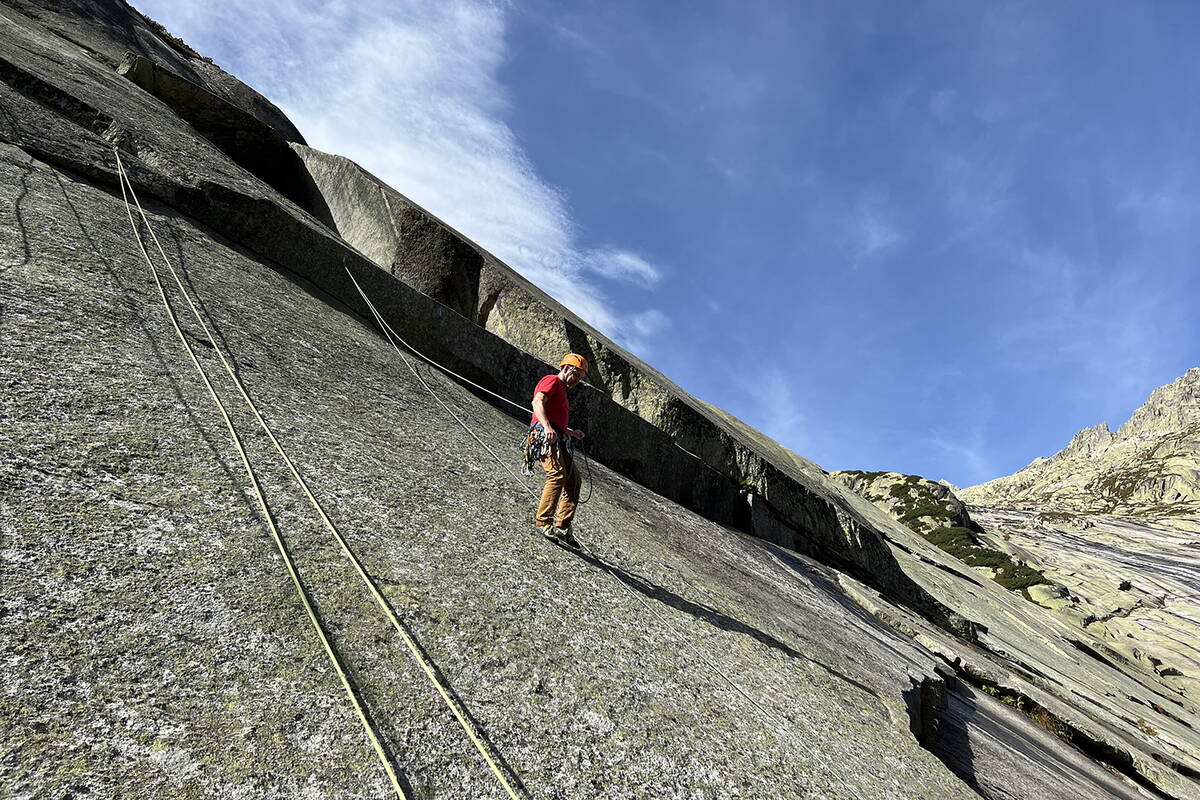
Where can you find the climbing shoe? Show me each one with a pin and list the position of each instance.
(549, 531)
(565, 536)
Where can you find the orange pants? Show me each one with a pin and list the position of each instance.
(560, 496)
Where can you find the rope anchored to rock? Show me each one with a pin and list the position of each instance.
(427, 667)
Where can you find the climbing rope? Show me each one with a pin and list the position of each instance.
(301, 591)
(376, 594)
(389, 333)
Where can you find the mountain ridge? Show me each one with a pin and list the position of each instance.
(1149, 466)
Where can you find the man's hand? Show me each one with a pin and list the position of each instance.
(574, 434)
(551, 434)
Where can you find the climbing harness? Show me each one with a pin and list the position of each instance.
(534, 448)
(426, 666)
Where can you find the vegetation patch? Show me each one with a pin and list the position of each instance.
(1015, 577)
(1043, 718)
(939, 511)
(865, 476)
(962, 544)
(915, 504)
(1119, 486)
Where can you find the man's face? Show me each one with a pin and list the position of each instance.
(571, 375)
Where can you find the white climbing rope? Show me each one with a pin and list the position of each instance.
(392, 332)
(376, 594)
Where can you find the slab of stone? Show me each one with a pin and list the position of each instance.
(1128, 582)
(155, 647)
(142, 577)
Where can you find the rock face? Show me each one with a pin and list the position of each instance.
(1128, 581)
(741, 625)
(1113, 520)
(1150, 467)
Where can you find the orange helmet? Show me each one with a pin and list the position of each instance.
(575, 360)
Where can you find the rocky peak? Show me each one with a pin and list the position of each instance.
(1170, 409)
(1152, 462)
(1087, 441)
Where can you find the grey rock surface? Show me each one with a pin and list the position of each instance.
(156, 649)
(1130, 582)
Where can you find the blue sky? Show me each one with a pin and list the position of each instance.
(930, 237)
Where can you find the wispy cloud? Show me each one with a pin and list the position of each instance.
(1093, 327)
(410, 89)
(872, 230)
(1166, 207)
(969, 458)
(775, 409)
(622, 265)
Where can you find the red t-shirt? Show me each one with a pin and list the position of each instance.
(557, 407)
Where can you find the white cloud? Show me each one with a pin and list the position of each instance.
(776, 411)
(623, 265)
(648, 324)
(410, 89)
(871, 230)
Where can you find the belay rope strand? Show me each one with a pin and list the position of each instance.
(377, 596)
(392, 337)
(301, 591)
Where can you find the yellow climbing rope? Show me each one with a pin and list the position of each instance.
(301, 591)
(376, 594)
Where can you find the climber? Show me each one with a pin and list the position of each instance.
(550, 441)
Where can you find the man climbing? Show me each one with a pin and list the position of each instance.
(550, 441)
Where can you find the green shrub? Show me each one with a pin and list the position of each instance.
(958, 542)
(983, 557)
(1018, 576)
(962, 544)
(925, 509)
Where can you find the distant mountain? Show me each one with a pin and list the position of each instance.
(1149, 468)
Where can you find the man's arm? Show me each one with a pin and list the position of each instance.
(539, 411)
